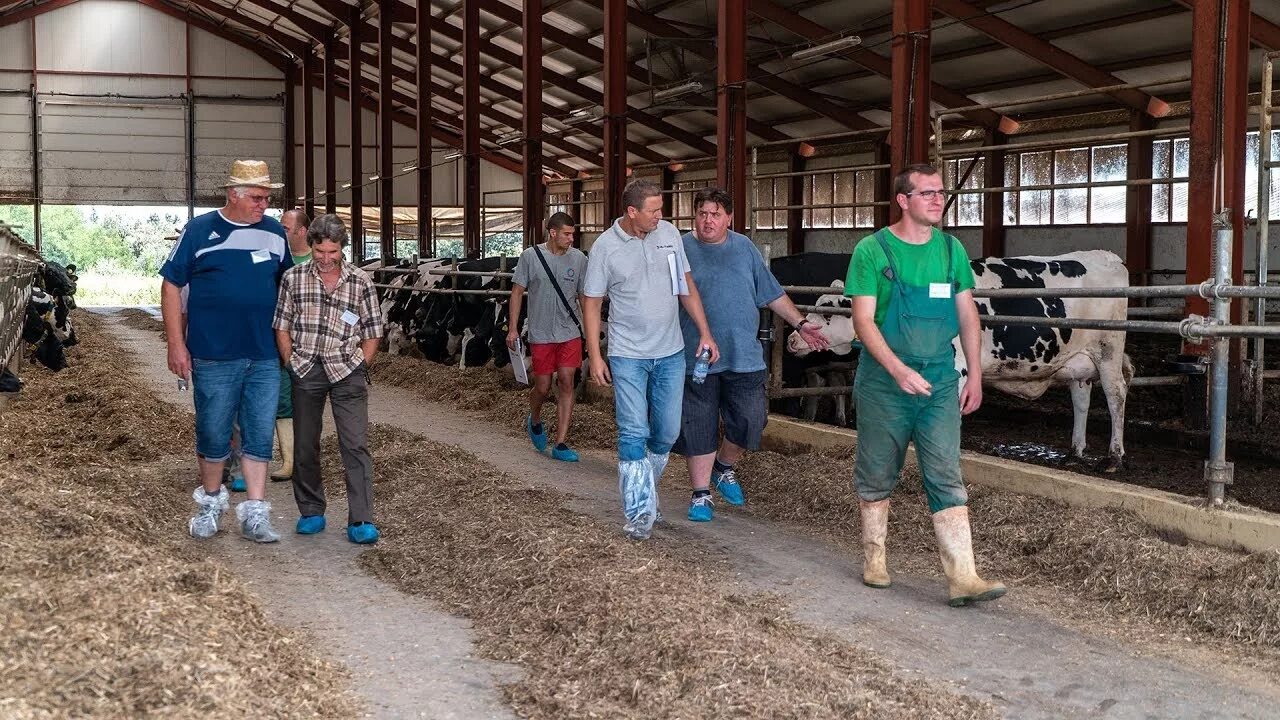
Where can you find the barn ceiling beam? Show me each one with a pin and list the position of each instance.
(583, 47)
(30, 11)
(1051, 55)
(791, 91)
(277, 60)
(910, 127)
(876, 63)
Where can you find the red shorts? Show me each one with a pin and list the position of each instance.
(549, 357)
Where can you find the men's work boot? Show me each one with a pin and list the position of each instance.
(284, 432)
(955, 545)
(875, 527)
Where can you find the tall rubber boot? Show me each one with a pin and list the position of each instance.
(284, 431)
(955, 545)
(875, 527)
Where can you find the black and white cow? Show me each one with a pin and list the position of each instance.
(1025, 361)
(38, 331)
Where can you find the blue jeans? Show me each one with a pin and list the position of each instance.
(235, 391)
(647, 396)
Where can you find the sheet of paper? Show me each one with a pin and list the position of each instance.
(349, 317)
(518, 368)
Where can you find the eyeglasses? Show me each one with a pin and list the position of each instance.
(258, 199)
(929, 194)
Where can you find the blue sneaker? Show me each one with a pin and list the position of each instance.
(363, 534)
(563, 452)
(727, 485)
(237, 484)
(700, 509)
(539, 440)
(310, 524)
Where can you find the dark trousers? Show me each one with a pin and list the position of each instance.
(350, 397)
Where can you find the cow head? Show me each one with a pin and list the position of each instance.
(838, 329)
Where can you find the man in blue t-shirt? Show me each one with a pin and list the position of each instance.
(229, 262)
(735, 283)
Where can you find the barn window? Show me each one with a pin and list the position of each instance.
(965, 209)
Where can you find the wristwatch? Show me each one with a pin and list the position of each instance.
(802, 323)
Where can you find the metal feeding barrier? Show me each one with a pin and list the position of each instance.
(19, 265)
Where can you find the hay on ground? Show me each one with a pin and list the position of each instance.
(108, 611)
(606, 627)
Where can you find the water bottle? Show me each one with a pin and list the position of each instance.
(182, 384)
(701, 367)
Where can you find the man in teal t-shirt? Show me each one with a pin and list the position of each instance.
(911, 286)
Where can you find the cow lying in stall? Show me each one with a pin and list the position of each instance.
(1025, 361)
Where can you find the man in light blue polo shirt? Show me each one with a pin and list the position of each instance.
(640, 265)
(230, 262)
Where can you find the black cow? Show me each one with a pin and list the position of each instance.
(812, 269)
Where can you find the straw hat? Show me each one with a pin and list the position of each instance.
(251, 173)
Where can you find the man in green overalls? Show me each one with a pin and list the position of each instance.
(911, 286)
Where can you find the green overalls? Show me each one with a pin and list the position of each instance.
(919, 329)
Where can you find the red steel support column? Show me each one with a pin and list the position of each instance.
(330, 125)
(993, 203)
(290, 139)
(1219, 86)
(884, 183)
(471, 230)
(731, 105)
(386, 130)
(575, 202)
(795, 196)
(909, 128)
(426, 241)
(1137, 201)
(615, 107)
(534, 190)
(357, 138)
(309, 132)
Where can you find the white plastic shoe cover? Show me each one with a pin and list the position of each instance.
(639, 497)
(255, 521)
(208, 514)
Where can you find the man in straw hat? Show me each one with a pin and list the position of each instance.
(230, 261)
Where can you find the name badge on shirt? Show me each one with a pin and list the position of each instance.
(260, 256)
(349, 317)
(940, 290)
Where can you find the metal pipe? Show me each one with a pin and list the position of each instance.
(1263, 230)
(1065, 95)
(465, 273)
(1071, 141)
(445, 291)
(782, 392)
(1068, 186)
(1158, 381)
(1217, 471)
(828, 136)
(1156, 291)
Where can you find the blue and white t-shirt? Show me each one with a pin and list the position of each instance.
(232, 272)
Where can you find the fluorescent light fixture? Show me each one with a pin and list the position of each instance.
(843, 43)
(375, 177)
(453, 156)
(409, 168)
(584, 110)
(346, 185)
(677, 90)
(511, 138)
(302, 197)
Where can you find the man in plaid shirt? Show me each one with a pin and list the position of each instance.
(328, 325)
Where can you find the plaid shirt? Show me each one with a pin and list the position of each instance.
(315, 320)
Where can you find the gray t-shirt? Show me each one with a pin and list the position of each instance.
(642, 279)
(549, 322)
